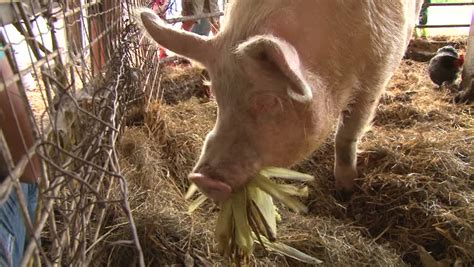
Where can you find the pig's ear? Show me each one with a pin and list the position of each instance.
(181, 42)
(272, 53)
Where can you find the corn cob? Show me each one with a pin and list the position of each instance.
(250, 215)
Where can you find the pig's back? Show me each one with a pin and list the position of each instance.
(328, 32)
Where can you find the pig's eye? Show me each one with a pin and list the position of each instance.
(265, 104)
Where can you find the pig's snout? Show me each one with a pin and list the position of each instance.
(219, 183)
(211, 187)
(227, 162)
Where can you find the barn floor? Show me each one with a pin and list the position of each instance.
(414, 205)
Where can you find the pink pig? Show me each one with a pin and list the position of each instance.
(283, 72)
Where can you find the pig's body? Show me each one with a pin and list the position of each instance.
(283, 72)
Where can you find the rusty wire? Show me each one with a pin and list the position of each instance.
(84, 89)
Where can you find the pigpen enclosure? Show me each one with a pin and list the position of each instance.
(118, 130)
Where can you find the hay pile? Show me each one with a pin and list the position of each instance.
(417, 193)
(183, 83)
(423, 50)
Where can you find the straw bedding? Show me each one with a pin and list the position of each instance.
(414, 203)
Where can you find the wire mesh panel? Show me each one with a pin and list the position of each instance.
(70, 72)
(68, 76)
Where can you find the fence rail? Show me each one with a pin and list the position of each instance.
(195, 17)
(451, 4)
(424, 26)
(444, 26)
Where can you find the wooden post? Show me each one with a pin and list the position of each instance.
(467, 83)
(96, 26)
(74, 27)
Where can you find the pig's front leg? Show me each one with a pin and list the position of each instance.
(352, 123)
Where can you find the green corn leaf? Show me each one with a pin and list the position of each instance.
(286, 174)
(294, 190)
(272, 188)
(243, 231)
(263, 211)
(191, 190)
(290, 252)
(196, 203)
(224, 226)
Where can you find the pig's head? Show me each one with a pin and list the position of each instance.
(265, 105)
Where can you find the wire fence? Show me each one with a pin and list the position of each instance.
(78, 66)
(75, 66)
(452, 25)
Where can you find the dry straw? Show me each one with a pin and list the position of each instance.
(416, 194)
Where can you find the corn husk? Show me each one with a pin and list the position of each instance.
(250, 215)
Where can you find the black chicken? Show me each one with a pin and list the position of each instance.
(445, 66)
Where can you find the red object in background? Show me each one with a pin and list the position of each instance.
(460, 61)
(160, 7)
(163, 53)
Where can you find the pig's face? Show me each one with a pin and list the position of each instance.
(258, 125)
(265, 115)
(266, 110)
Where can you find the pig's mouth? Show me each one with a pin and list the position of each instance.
(220, 185)
(212, 188)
